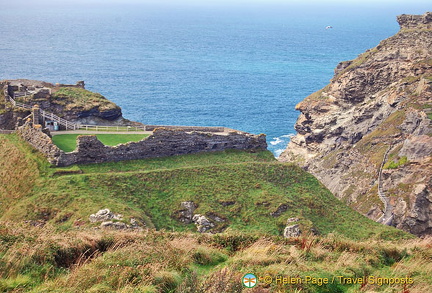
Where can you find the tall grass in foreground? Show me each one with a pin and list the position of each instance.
(41, 260)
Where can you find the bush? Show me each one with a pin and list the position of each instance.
(234, 242)
(394, 165)
(205, 256)
(167, 281)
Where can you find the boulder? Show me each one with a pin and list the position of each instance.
(104, 215)
(292, 231)
(203, 224)
(281, 209)
(114, 225)
(292, 220)
(186, 213)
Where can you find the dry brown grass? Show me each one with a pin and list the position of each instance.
(150, 261)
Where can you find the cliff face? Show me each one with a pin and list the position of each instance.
(375, 118)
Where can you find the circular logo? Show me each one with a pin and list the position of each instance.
(249, 280)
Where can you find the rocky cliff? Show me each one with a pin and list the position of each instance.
(374, 121)
(71, 102)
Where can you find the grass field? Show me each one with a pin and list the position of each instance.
(47, 243)
(67, 142)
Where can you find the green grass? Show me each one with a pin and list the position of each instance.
(67, 142)
(395, 164)
(81, 98)
(152, 191)
(68, 254)
(177, 162)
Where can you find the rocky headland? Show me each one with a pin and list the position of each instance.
(367, 135)
(71, 102)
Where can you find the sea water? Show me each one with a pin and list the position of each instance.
(240, 66)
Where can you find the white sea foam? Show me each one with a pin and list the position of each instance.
(278, 144)
(276, 141)
(288, 135)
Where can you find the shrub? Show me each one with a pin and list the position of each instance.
(205, 256)
(234, 242)
(167, 281)
(394, 165)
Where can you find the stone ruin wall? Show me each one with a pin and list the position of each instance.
(40, 141)
(162, 143)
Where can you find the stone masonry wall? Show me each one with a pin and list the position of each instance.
(40, 141)
(163, 142)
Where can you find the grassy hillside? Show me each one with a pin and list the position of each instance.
(47, 243)
(152, 190)
(81, 98)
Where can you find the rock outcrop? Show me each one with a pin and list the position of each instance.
(104, 215)
(110, 220)
(71, 102)
(377, 104)
(202, 223)
(186, 214)
(292, 230)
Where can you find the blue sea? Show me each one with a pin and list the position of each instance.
(243, 66)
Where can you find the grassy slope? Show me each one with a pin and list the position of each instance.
(81, 98)
(152, 190)
(88, 260)
(67, 142)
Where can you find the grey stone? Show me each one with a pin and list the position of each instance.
(417, 147)
(216, 218)
(104, 215)
(134, 222)
(292, 231)
(281, 209)
(114, 225)
(415, 21)
(186, 214)
(203, 224)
